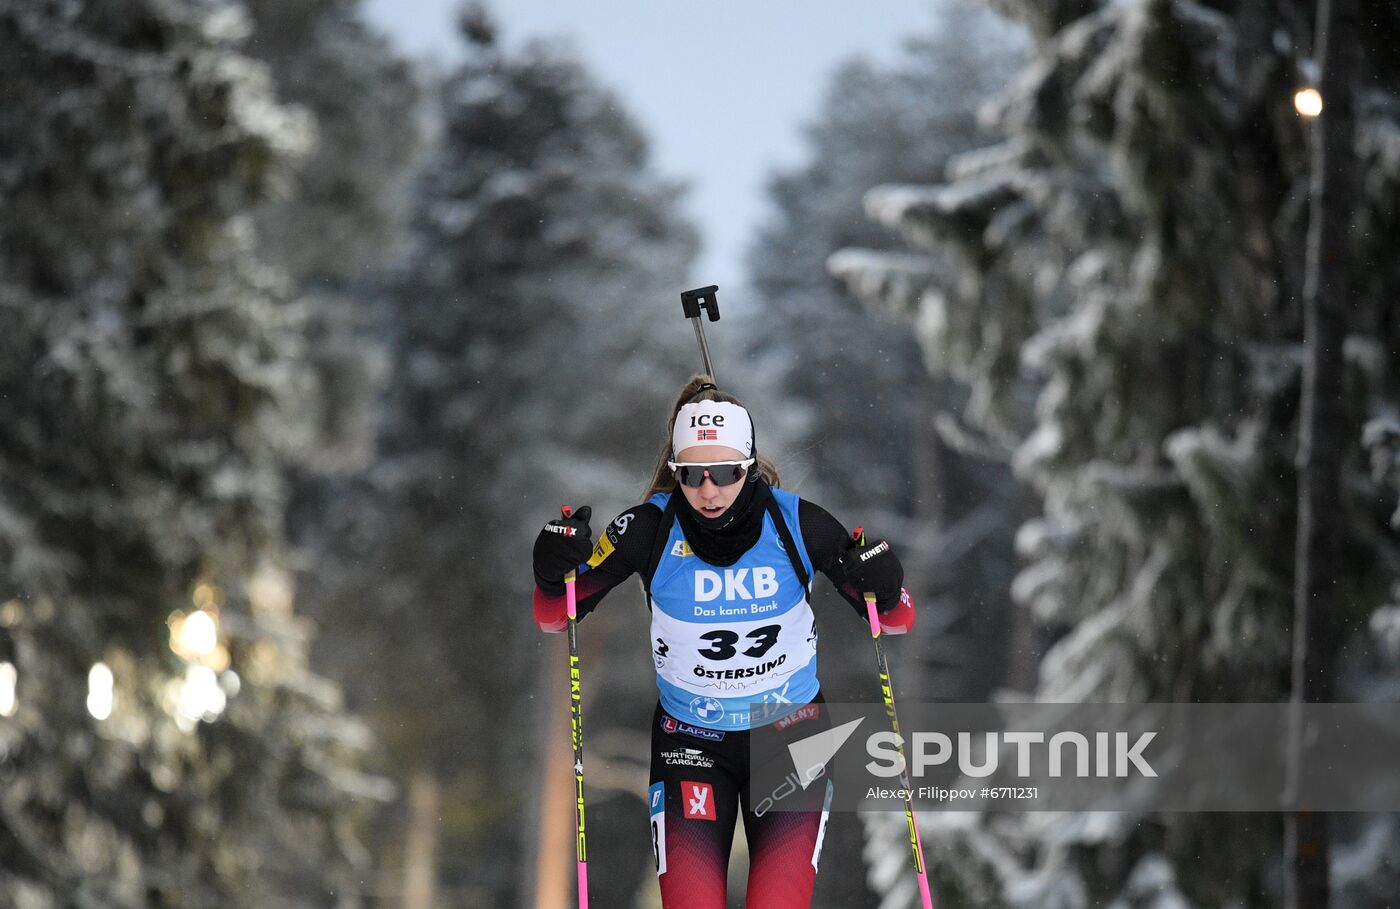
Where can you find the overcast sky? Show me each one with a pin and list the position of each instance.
(722, 88)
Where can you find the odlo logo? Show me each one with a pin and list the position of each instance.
(733, 583)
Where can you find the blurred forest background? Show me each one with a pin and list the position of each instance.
(301, 342)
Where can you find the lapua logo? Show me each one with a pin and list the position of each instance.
(734, 584)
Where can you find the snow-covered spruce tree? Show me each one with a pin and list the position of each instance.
(1382, 438)
(336, 223)
(536, 341)
(339, 214)
(338, 217)
(163, 741)
(1363, 872)
(845, 384)
(1136, 243)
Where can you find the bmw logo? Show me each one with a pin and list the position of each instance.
(707, 709)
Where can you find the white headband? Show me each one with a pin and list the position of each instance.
(713, 423)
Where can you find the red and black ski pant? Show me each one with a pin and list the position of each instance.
(699, 788)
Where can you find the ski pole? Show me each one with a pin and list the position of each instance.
(887, 689)
(576, 723)
(692, 301)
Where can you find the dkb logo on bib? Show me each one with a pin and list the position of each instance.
(733, 583)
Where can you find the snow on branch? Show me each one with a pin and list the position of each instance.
(1381, 436)
(930, 215)
(890, 283)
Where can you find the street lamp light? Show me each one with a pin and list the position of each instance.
(1307, 101)
(100, 682)
(8, 677)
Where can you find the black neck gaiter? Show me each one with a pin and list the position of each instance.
(722, 540)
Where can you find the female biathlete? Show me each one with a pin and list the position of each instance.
(727, 568)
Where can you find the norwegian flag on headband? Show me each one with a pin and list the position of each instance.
(714, 422)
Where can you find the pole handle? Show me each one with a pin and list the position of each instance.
(858, 537)
(570, 601)
(872, 614)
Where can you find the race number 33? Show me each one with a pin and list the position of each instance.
(722, 642)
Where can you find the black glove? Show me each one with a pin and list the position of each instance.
(561, 547)
(870, 568)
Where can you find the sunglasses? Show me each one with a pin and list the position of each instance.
(723, 473)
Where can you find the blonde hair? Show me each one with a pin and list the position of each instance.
(662, 479)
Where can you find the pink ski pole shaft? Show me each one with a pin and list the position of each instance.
(887, 689)
(576, 701)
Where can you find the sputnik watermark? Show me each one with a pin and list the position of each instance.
(1087, 757)
(1112, 752)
